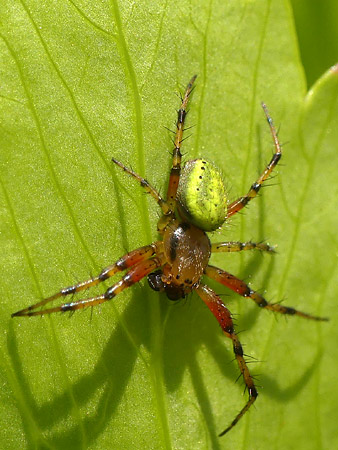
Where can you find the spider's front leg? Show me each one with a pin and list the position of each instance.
(237, 285)
(133, 258)
(223, 316)
(134, 275)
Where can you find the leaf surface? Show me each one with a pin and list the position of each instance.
(82, 82)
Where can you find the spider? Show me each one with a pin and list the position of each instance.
(196, 203)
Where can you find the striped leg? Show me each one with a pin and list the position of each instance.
(130, 259)
(177, 156)
(226, 247)
(223, 316)
(238, 204)
(134, 275)
(147, 187)
(237, 285)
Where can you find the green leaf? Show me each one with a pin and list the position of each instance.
(316, 25)
(83, 82)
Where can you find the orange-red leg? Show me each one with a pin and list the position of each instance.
(223, 316)
(134, 275)
(177, 156)
(130, 259)
(227, 247)
(237, 285)
(238, 204)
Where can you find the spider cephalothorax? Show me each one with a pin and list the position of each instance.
(196, 203)
(187, 251)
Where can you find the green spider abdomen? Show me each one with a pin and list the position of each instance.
(201, 195)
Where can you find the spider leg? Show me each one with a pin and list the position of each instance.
(134, 275)
(238, 204)
(147, 187)
(130, 259)
(223, 316)
(177, 156)
(226, 247)
(237, 285)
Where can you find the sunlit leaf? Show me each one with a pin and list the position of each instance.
(84, 81)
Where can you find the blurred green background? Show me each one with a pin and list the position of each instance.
(317, 31)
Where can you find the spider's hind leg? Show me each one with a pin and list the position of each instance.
(177, 156)
(241, 202)
(168, 205)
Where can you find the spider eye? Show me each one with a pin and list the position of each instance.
(201, 195)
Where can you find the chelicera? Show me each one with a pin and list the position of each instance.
(196, 203)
